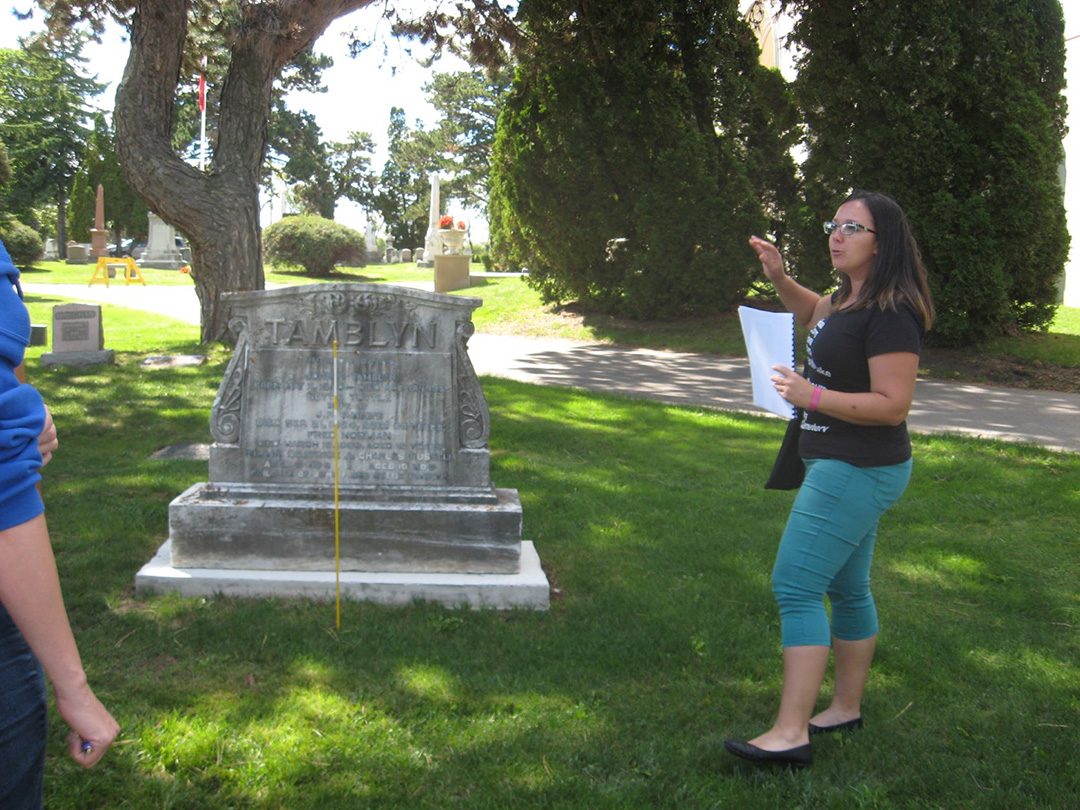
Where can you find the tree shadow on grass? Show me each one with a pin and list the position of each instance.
(654, 523)
(719, 333)
(338, 274)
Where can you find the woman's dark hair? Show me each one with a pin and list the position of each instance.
(898, 274)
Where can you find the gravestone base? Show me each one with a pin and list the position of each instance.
(167, 262)
(451, 273)
(251, 527)
(78, 359)
(528, 588)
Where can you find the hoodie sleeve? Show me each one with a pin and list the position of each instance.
(22, 412)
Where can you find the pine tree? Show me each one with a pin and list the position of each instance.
(44, 108)
(625, 162)
(956, 110)
(125, 213)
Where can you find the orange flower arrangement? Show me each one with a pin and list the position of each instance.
(446, 222)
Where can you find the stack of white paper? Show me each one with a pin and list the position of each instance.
(770, 341)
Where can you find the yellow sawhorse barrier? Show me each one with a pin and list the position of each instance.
(126, 264)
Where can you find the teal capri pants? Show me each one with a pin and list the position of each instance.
(827, 548)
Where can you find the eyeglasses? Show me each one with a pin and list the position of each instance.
(845, 228)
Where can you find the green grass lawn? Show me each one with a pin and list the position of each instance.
(510, 306)
(1059, 345)
(80, 274)
(662, 639)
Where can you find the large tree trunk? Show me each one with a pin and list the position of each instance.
(218, 211)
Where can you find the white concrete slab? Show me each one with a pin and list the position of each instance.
(527, 589)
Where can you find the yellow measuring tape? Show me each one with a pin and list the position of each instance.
(337, 510)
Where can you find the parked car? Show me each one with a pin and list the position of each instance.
(126, 247)
(129, 247)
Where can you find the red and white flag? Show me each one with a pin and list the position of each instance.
(202, 87)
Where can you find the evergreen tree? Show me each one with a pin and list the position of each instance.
(957, 111)
(5, 167)
(468, 103)
(403, 192)
(125, 213)
(625, 162)
(44, 108)
(323, 172)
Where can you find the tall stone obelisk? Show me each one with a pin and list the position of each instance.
(432, 241)
(98, 234)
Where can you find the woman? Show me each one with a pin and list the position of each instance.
(862, 357)
(33, 622)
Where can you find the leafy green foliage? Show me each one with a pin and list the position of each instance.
(5, 167)
(403, 192)
(22, 241)
(468, 104)
(627, 172)
(43, 108)
(313, 243)
(125, 213)
(320, 172)
(959, 115)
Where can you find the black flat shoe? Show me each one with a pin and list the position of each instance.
(797, 757)
(850, 725)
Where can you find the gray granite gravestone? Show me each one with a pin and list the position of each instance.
(78, 253)
(78, 339)
(161, 249)
(415, 493)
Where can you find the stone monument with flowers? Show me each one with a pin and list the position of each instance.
(451, 260)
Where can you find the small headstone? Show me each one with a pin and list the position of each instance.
(52, 253)
(184, 452)
(77, 328)
(78, 339)
(406, 255)
(418, 255)
(39, 334)
(78, 253)
(172, 360)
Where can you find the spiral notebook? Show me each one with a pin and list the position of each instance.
(770, 341)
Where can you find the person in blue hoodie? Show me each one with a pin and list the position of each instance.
(34, 631)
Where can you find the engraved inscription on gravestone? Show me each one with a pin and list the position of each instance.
(77, 328)
(398, 367)
(76, 332)
(411, 443)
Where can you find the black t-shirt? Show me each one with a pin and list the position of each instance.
(837, 349)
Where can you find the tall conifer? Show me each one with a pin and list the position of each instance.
(956, 109)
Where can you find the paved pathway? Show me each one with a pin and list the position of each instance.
(1040, 417)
